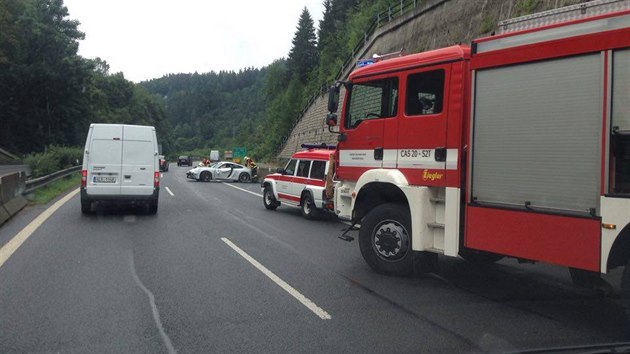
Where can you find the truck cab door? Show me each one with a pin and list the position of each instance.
(370, 111)
(422, 126)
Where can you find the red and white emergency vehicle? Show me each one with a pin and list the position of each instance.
(518, 145)
(301, 182)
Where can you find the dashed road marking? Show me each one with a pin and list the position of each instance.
(10, 247)
(243, 189)
(256, 194)
(281, 283)
(169, 191)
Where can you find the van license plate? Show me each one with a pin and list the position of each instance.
(104, 179)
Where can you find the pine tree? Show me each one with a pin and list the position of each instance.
(303, 56)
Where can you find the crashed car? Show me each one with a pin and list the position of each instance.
(225, 170)
(163, 164)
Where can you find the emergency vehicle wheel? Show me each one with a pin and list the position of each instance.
(309, 210)
(269, 200)
(205, 176)
(625, 289)
(385, 239)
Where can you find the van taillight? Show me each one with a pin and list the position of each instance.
(156, 179)
(83, 178)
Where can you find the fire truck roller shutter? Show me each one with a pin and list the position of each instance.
(537, 134)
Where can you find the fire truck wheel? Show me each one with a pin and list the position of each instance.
(269, 200)
(479, 258)
(309, 210)
(625, 289)
(385, 239)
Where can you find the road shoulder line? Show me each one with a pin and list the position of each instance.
(281, 283)
(10, 247)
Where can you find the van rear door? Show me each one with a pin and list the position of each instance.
(139, 159)
(104, 154)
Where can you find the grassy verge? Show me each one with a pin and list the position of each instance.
(48, 193)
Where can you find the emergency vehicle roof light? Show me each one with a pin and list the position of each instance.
(319, 146)
(376, 58)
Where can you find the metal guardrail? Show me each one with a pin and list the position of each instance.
(381, 19)
(34, 184)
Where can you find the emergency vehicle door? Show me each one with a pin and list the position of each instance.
(421, 154)
(372, 104)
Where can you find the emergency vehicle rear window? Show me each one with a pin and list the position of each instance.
(425, 93)
(371, 100)
(303, 167)
(318, 170)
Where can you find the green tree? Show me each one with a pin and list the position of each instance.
(303, 56)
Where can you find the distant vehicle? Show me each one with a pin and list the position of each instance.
(214, 155)
(184, 161)
(224, 170)
(301, 183)
(120, 164)
(163, 163)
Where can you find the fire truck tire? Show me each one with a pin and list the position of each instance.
(479, 258)
(269, 200)
(625, 289)
(308, 208)
(385, 239)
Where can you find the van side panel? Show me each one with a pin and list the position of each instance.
(103, 156)
(139, 160)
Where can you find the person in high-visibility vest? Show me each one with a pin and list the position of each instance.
(252, 165)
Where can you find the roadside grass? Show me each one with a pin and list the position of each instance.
(56, 188)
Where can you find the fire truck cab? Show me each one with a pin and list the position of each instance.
(518, 145)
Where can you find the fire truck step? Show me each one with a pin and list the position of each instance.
(435, 225)
(437, 200)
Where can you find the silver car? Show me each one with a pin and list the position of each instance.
(224, 170)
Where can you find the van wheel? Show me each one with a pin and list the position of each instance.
(205, 176)
(309, 210)
(385, 239)
(269, 200)
(86, 207)
(244, 177)
(153, 207)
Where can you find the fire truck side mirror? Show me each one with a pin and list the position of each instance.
(333, 99)
(331, 120)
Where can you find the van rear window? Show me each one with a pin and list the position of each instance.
(105, 152)
(138, 153)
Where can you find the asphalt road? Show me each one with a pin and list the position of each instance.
(181, 281)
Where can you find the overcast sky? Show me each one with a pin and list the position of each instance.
(147, 39)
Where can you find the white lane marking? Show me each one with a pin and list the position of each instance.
(243, 189)
(256, 194)
(10, 247)
(161, 175)
(154, 309)
(288, 288)
(169, 191)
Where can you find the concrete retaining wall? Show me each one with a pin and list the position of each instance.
(434, 24)
(11, 200)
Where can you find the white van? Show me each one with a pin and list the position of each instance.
(120, 164)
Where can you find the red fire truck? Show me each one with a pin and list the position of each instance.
(518, 145)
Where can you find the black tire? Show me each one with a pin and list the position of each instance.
(205, 176)
(479, 258)
(153, 207)
(86, 206)
(244, 177)
(385, 239)
(308, 208)
(269, 200)
(625, 289)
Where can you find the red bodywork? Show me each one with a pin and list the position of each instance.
(560, 239)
